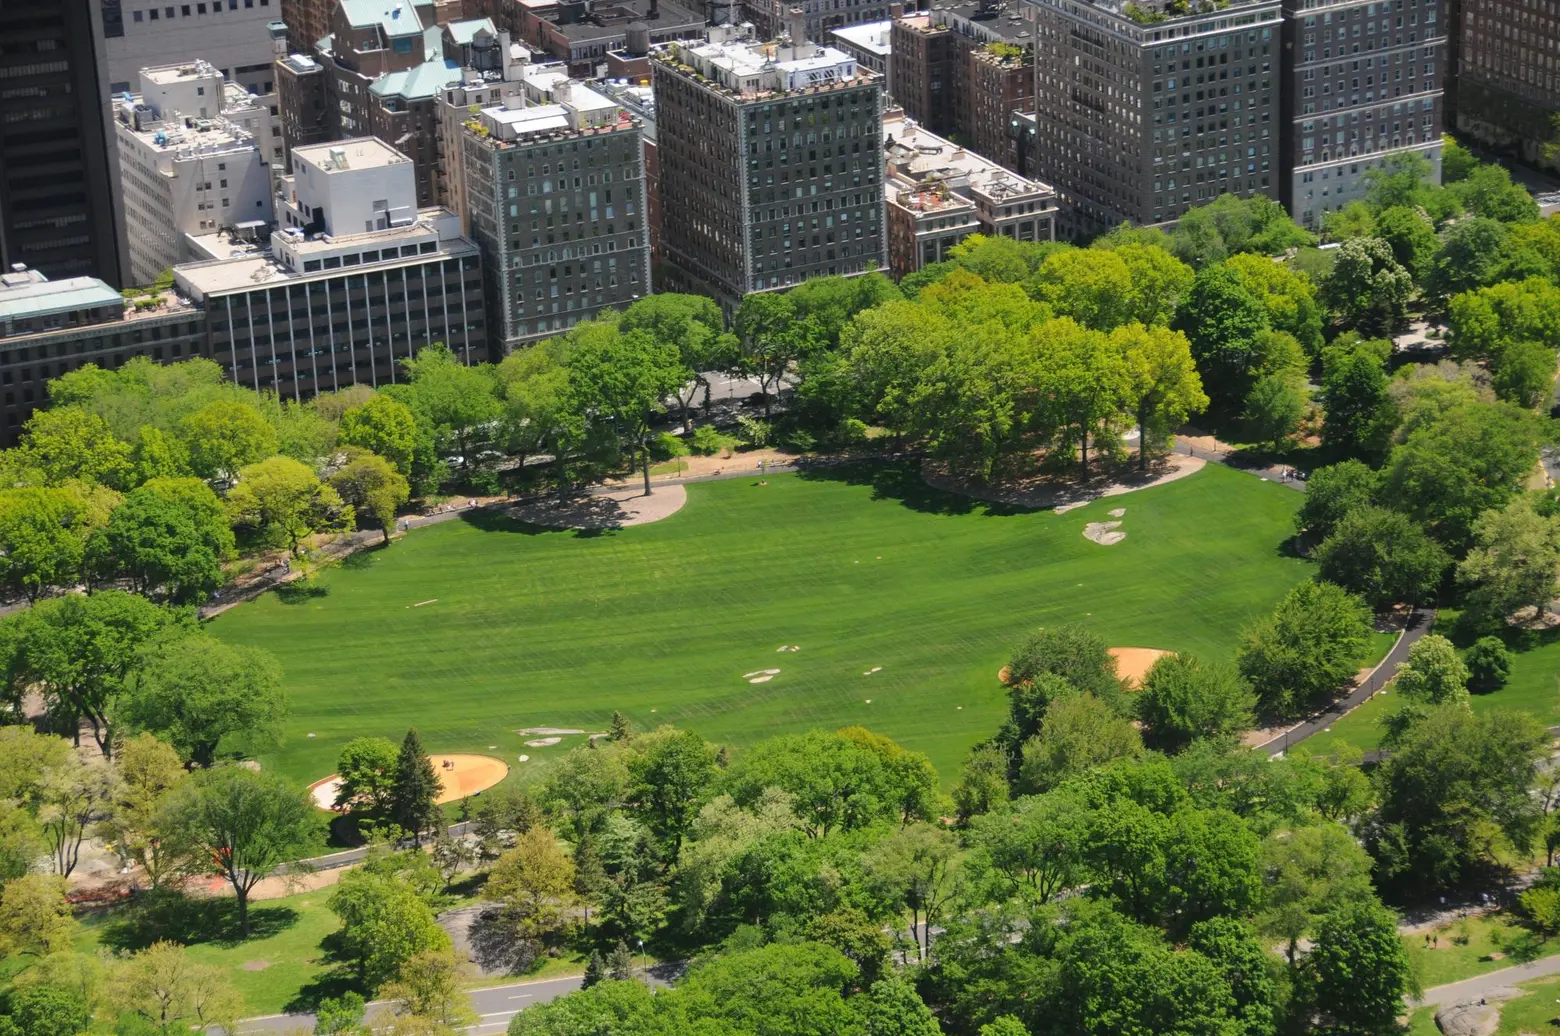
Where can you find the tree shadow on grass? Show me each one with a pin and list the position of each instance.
(488, 519)
(172, 916)
(901, 480)
(301, 591)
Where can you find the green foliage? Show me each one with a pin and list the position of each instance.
(1033, 847)
(1433, 673)
(414, 788)
(1385, 556)
(384, 924)
(620, 379)
(1359, 970)
(1307, 650)
(983, 783)
(282, 499)
(163, 544)
(43, 535)
(48, 1011)
(1524, 374)
(371, 486)
(71, 444)
(1368, 287)
(224, 436)
(1274, 408)
(1184, 699)
(1078, 733)
(366, 769)
(384, 426)
(1514, 563)
(1489, 665)
(895, 1009)
(1222, 319)
(1360, 412)
(207, 697)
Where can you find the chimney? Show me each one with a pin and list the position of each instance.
(796, 26)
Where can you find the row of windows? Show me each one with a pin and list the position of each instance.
(171, 11)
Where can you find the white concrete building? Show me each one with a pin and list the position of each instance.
(348, 187)
(185, 167)
(234, 35)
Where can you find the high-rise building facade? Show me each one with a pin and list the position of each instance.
(1362, 81)
(234, 35)
(1142, 113)
(357, 278)
(771, 163)
(56, 183)
(959, 70)
(556, 197)
(1507, 74)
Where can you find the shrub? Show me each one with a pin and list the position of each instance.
(667, 446)
(1489, 664)
(852, 430)
(800, 440)
(755, 432)
(708, 441)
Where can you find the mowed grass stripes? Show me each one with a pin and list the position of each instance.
(531, 628)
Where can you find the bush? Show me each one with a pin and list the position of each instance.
(708, 441)
(667, 446)
(799, 440)
(1489, 664)
(852, 430)
(755, 432)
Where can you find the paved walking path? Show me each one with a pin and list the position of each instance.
(1418, 624)
(1483, 985)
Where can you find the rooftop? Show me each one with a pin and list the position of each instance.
(990, 21)
(921, 165)
(185, 72)
(418, 82)
(302, 63)
(393, 17)
(463, 32)
(188, 139)
(747, 68)
(30, 294)
(357, 153)
(612, 17)
(869, 36)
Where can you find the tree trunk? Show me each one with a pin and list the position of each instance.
(644, 452)
(1084, 427)
(1142, 437)
(242, 895)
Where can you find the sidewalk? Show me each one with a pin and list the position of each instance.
(1483, 985)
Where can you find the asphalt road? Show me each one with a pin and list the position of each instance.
(1472, 988)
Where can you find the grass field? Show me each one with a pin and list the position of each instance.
(472, 629)
(1461, 943)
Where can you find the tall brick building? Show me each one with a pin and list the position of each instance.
(1507, 73)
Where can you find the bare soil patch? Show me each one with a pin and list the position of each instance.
(617, 509)
(1060, 493)
(1133, 663)
(459, 776)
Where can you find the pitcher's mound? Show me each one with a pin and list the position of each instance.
(1133, 663)
(459, 776)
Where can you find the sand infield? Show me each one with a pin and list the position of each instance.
(1132, 664)
(465, 775)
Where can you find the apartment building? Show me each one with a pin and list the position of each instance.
(56, 182)
(960, 69)
(938, 193)
(185, 167)
(1142, 112)
(49, 327)
(819, 17)
(639, 101)
(556, 192)
(356, 279)
(771, 168)
(582, 33)
(236, 36)
(1363, 80)
(1507, 74)
(869, 43)
(493, 69)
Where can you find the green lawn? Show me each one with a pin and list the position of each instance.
(282, 958)
(1452, 961)
(475, 628)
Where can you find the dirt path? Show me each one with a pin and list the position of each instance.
(1061, 494)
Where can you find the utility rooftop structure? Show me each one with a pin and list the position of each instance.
(188, 164)
(1146, 110)
(770, 162)
(555, 190)
(939, 193)
(581, 33)
(357, 278)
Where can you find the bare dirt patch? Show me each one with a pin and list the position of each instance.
(255, 965)
(1133, 663)
(1063, 494)
(617, 509)
(459, 776)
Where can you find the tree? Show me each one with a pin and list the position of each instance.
(385, 923)
(414, 791)
(1287, 297)
(1069, 652)
(165, 547)
(888, 350)
(1411, 237)
(620, 963)
(917, 868)
(148, 771)
(1162, 386)
(693, 325)
(983, 783)
(283, 498)
(1311, 646)
(770, 339)
(894, 1009)
(367, 771)
(584, 785)
(80, 653)
(340, 1015)
(204, 696)
(1487, 191)
(35, 916)
(1079, 732)
(1274, 408)
(43, 534)
(1306, 872)
(622, 378)
(372, 487)
(225, 436)
(1489, 665)
(1360, 413)
(384, 426)
(1184, 698)
(71, 796)
(1006, 1025)
(535, 882)
(595, 970)
(1359, 969)
(668, 773)
(67, 443)
(430, 984)
(48, 1011)
(1385, 556)
(1454, 792)
(1433, 673)
(1488, 321)
(1403, 179)
(1471, 255)
(1034, 844)
(1454, 467)
(611, 1008)
(458, 402)
(835, 783)
(1221, 319)
(1523, 374)
(1091, 285)
(1158, 281)
(248, 823)
(1368, 286)
(161, 986)
(776, 990)
(1514, 561)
